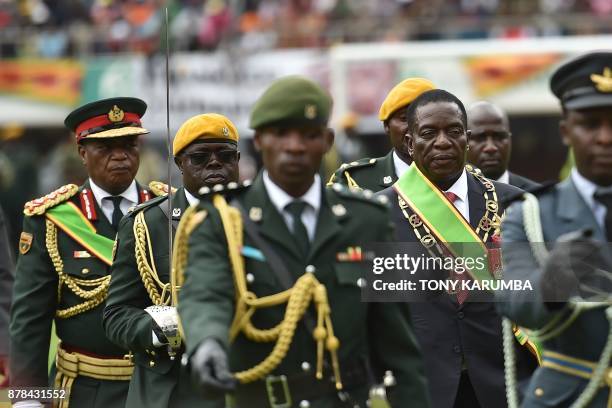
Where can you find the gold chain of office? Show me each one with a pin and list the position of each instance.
(97, 289)
(306, 290)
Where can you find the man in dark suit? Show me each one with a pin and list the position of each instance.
(6, 287)
(438, 203)
(63, 270)
(490, 144)
(566, 212)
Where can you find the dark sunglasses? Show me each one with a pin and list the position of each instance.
(202, 158)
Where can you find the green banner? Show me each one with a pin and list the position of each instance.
(443, 219)
(71, 220)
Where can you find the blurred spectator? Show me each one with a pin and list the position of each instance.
(134, 25)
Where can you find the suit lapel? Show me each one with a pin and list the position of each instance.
(328, 225)
(476, 200)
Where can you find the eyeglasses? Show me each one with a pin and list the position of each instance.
(202, 158)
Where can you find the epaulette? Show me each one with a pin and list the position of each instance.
(359, 194)
(159, 189)
(357, 164)
(224, 189)
(154, 201)
(42, 204)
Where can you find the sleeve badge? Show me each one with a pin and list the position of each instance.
(25, 242)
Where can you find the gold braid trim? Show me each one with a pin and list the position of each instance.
(307, 289)
(146, 265)
(191, 218)
(40, 205)
(93, 297)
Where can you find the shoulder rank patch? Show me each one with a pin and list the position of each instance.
(224, 189)
(40, 205)
(159, 189)
(25, 242)
(366, 162)
(359, 194)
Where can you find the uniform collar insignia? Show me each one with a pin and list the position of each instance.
(339, 210)
(255, 214)
(176, 212)
(387, 179)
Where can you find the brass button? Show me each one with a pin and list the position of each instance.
(151, 363)
(538, 392)
(84, 271)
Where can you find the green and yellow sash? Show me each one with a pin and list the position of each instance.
(71, 220)
(442, 219)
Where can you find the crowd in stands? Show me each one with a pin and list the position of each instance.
(56, 28)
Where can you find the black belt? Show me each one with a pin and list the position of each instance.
(285, 391)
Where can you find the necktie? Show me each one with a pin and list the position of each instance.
(461, 294)
(117, 214)
(606, 199)
(295, 208)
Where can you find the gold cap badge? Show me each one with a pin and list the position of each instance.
(116, 114)
(603, 82)
(310, 111)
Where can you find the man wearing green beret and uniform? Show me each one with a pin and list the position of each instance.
(376, 174)
(63, 271)
(273, 277)
(138, 314)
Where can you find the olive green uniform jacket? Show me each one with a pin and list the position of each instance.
(374, 332)
(35, 301)
(157, 381)
(368, 174)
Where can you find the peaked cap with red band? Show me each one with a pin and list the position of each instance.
(106, 118)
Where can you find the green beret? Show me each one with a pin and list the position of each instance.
(292, 100)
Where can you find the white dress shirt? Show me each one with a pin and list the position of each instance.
(130, 199)
(191, 199)
(399, 165)
(504, 178)
(586, 188)
(460, 189)
(280, 199)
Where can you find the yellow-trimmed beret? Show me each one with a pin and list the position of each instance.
(402, 94)
(210, 126)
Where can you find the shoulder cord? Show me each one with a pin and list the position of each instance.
(351, 181)
(298, 298)
(93, 297)
(146, 267)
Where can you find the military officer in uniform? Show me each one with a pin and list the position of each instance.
(490, 144)
(378, 173)
(574, 220)
(302, 248)
(63, 270)
(137, 314)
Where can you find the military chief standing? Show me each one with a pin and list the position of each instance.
(299, 235)
(63, 270)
